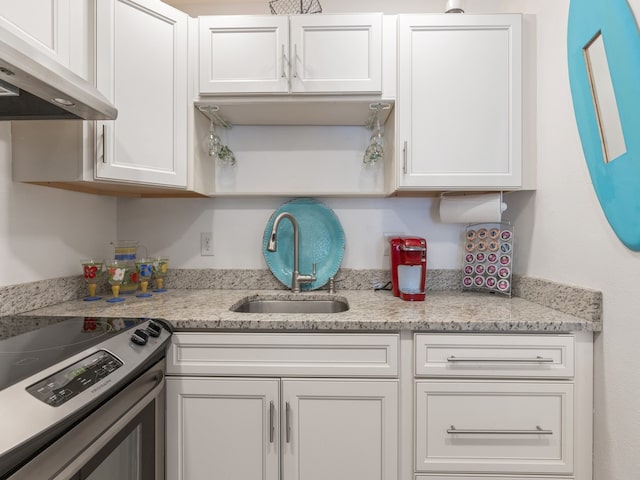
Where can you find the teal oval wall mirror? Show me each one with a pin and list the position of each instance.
(603, 47)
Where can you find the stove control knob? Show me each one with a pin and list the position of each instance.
(140, 337)
(154, 329)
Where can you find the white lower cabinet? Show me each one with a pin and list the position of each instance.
(339, 429)
(494, 427)
(503, 407)
(379, 406)
(222, 428)
(246, 428)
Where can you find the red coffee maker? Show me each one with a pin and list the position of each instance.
(408, 267)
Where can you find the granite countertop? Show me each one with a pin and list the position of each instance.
(452, 311)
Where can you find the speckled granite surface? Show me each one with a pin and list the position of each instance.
(573, 300)
(346, 279)
(29, 296)
(200, 299)
(368, 310)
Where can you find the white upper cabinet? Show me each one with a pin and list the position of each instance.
(244, 54)
(56, 28)
(298, 54)
(142, 65)
(142, 68)
(336, 53)
(44, 24)
(459, 102)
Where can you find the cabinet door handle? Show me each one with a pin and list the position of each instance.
(404, 157)
(287, 415)
(537, 359)
(104, 143)
(272, 427)
(452, 430)
(295, 60)
(284, 60)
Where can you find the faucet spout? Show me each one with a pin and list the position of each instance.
(272, 245)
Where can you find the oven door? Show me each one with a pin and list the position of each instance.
(123, 439)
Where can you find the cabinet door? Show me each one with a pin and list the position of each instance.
(244, 54)
(336, 53)
(142, 68)
(494, 427)
(43, 23)
(222, 428)
(339, 429)
(459, 101)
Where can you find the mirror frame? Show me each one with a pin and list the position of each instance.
(616, 181)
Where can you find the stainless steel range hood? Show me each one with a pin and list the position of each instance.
(34, 86)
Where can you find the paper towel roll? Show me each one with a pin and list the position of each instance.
(481, 208)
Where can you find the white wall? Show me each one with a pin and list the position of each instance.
(173, 227)
(45, 232)
(570, 241)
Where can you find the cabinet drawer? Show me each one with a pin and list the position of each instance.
(290, 354)
(522, 356)
(494, 427)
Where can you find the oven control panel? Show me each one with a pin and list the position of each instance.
(66, 384)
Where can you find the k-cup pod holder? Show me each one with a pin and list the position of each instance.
(487, 263)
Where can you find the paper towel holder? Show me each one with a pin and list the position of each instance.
(468, 207)
(468, 194)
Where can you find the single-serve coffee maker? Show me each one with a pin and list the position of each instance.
(408, 267)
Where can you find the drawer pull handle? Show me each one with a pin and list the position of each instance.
(272, 427)
(537, 359)
(469, 431)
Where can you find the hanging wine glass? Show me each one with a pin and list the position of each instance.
(216, 149)
(375, 149)
(214, 143)
(226, 156)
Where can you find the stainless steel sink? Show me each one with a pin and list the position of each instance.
(290, 306)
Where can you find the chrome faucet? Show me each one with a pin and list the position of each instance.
(297, 278)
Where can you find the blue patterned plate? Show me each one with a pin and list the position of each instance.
(321, 241)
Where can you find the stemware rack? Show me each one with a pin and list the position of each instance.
(376, 109)
(212, 113)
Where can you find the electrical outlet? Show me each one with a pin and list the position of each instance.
(206, 243)
(387, 236)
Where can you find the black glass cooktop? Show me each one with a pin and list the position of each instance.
(49, 340)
